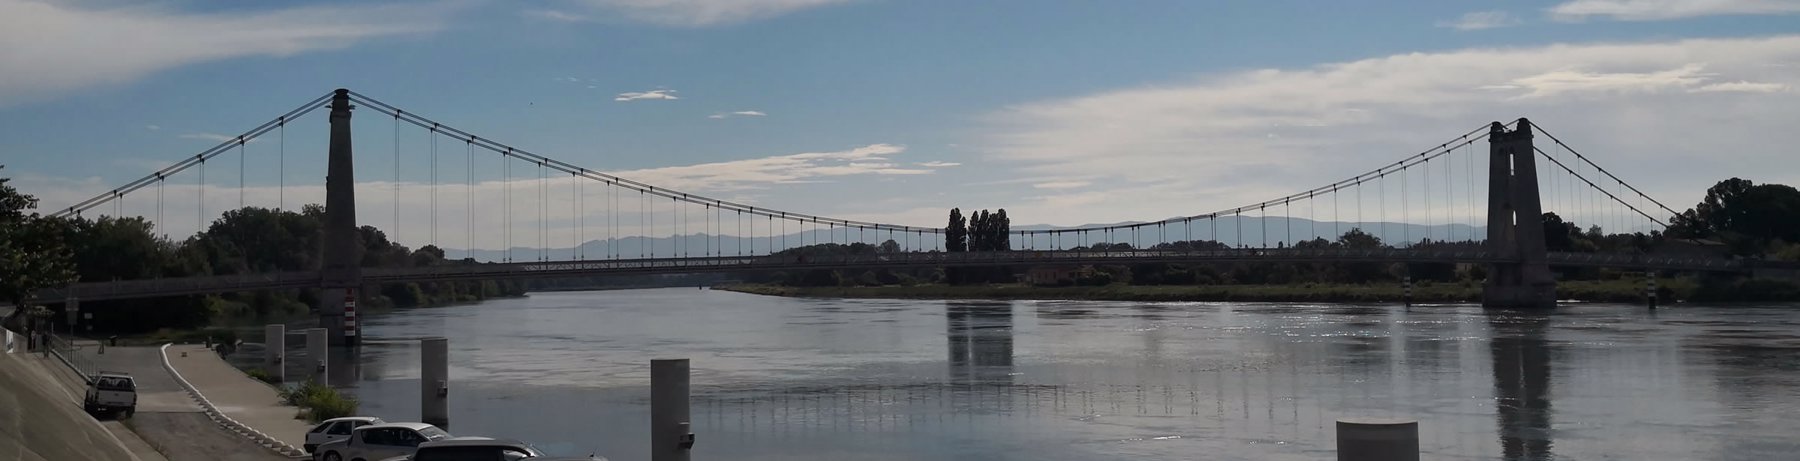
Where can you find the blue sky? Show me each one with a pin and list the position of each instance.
(1063, 112)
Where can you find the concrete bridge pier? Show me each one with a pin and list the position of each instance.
(1515, 223)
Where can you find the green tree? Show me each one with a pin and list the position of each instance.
(956, 234)
(33, 255)
(1747, 216)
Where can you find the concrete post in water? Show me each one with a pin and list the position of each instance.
(318, 348)
(275, 344)
(1407, 282)
(1650, 281)
(434, 382)
(671, 436)
(1375, 439)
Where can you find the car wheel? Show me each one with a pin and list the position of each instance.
(333, 456)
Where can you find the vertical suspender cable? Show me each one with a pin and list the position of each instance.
(159, 206)
(281, 168)
(240, 172)
(395, 188)
(200, 218)
(1469, 186)
(1381, 196)
(579, 208)
(1449, 194)
(506, 196)
(434, 195)
(1405, 218)
(469, 201)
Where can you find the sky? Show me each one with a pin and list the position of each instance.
(1061, 112)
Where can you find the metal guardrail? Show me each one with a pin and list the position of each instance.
(70, 355)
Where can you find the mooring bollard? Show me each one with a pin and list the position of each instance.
(671, 436)
(1650, 281)
(275, 343)
(1377, 439)
(318, 348)
(434, 382)
(1407, 281)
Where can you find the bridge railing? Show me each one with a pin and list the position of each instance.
(181, 285)
(286, 280)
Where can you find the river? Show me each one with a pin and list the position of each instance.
(827, 379)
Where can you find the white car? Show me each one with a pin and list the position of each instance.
(380, 441)
(336, 429)
(482, 449)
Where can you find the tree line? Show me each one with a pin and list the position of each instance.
(38, 252)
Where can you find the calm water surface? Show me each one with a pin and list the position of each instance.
(813, 379)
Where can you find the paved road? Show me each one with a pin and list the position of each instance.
(170, 420)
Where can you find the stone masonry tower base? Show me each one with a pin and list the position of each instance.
(1515, 224)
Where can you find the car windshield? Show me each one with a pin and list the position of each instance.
(111, 383)
(432, 433)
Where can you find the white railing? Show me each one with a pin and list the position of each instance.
(212, 412)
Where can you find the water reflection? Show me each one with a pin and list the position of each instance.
(980, 342)
(1521, 357)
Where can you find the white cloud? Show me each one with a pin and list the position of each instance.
(1655, 10)
(643, 95)
(1199, 145)
(741, 113)
(782, 169)
(1478, 20)
(152, 127)
(1561, 82)
(697, 13)
(567, 80)
(1742, 87)
(68, 48)
(552, 15)
(214, 137)
(938, 164)
(1060, 185)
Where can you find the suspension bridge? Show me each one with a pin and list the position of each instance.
(1425, 204)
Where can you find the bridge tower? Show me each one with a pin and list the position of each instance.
(341, 273)
(1515, 223)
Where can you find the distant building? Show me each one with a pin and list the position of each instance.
(1051, 275)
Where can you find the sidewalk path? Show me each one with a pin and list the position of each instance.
(167, 418)
(251, 402)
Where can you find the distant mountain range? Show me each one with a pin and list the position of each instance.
(1255, 232)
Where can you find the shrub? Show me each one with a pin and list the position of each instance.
(261, 375)
(319, 402)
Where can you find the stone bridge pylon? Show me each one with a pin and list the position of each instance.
(1515, 223)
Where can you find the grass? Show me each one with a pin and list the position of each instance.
(261, 375)
(319, 402)
(1423, 292)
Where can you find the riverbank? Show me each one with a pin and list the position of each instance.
(1423, 292)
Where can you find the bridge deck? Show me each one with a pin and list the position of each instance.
(128, 289)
